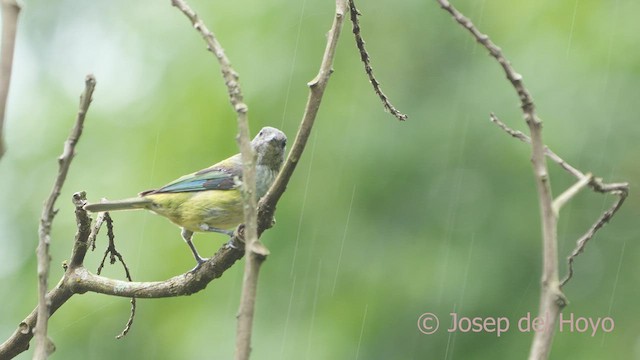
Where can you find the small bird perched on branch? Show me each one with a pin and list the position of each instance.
(209, 200)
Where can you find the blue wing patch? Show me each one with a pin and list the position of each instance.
(213, 178)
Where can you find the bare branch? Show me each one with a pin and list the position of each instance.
(552, 300)
(82, 240)
(114, 256)
(526, 102)
(96, 229)
(596, 184)
(78, 279)
(229, 75)
(256, 252)
(548, 152)
(48, 213)
(582, 242)
(364, 56)
(10, 12)
(19, 340)
(267, 205)
(132, 315)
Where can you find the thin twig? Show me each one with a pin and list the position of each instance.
(132, 315)
(548, 152)
(595, 183)
(116, 254)
(364, 56)
(526, 102)
(48, 213)
(10, 12)
(229, 75)
(584, 239)
(95, 230)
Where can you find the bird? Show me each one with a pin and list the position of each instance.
(209, 200)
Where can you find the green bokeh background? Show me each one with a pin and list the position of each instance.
(382, 221)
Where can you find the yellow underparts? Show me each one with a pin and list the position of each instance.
(220, 209)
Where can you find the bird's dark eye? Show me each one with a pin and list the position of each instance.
(260, 133)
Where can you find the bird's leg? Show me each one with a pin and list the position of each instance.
(205, 227)
(208, 228)
(186, 235)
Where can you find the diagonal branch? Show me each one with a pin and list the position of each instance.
(364, 56)
(48, 213)
(526, 102)
(228, 73)
(10, 12)
(267, 205)
(595, 183)
(584, 239)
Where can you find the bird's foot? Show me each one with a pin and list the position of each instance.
(199, 262)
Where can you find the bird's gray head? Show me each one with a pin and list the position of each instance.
(269, 146)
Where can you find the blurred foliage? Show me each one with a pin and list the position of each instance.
(383, 220)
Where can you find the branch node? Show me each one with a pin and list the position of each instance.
(260, 250)
(563, 198)
(79, 199)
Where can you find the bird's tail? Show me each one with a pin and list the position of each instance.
(126, 204)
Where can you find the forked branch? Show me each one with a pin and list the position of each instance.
(552, 300)
(48, 213)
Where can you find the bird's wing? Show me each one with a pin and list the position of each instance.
(220, 176)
